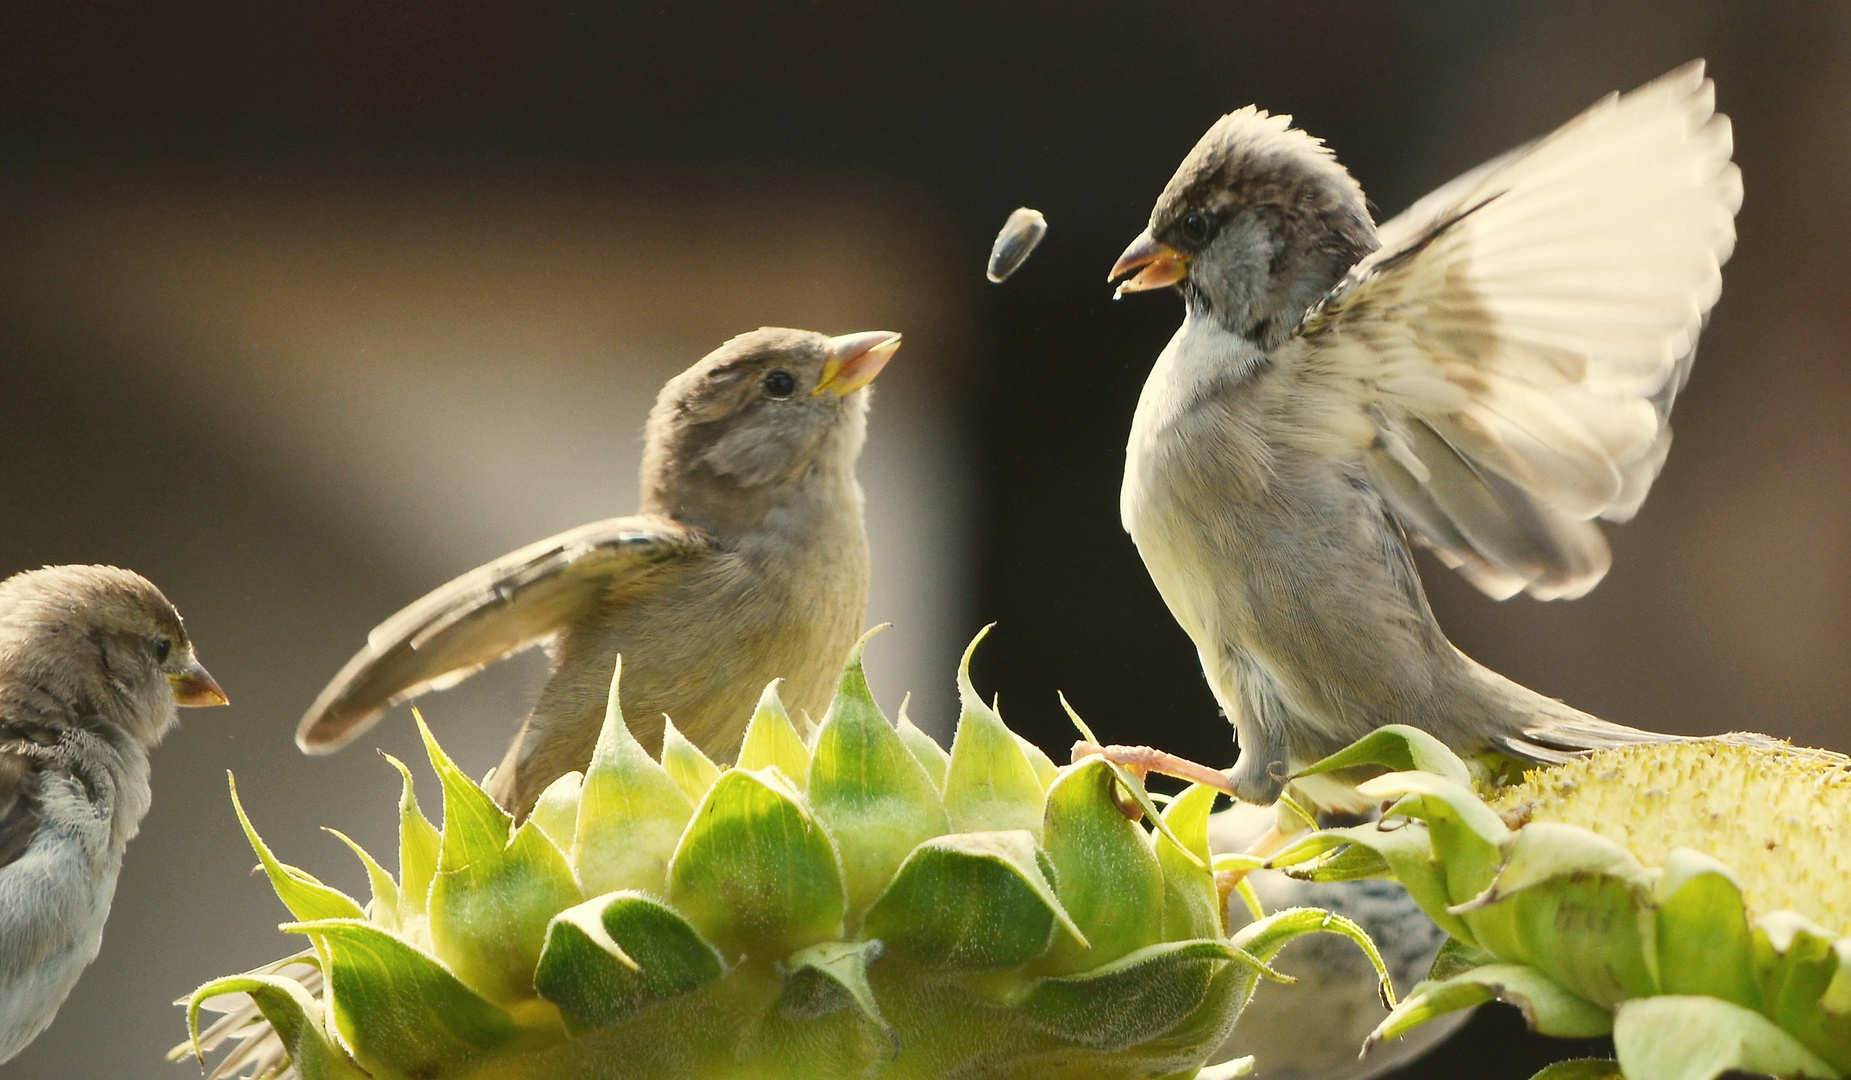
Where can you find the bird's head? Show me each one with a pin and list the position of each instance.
(89, 631)
(1259, 222)
(763, 411)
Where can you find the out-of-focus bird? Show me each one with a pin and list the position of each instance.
(1487, 375)
(747, 562)
(1336, 988)
(93, 663)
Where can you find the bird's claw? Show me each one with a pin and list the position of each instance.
(1143, 760)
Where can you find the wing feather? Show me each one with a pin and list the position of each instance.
(1520, 336)
(20, 813)
(504, 607)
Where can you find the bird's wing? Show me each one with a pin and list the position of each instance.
(511, 604)
(1511, 353)
(19, 801)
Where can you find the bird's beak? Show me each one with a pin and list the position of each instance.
(854, 360)
(196, 687)
(1157, 265)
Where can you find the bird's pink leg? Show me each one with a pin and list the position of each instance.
(1143, 760)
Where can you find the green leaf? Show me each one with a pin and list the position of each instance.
(1198, 1035)
(990, 783)
(1467, 836)
(1593, 935)
(1456, 958)
(968, 901)
(1249, 897)
(832, 975)
(1397, 748)
(1128, 783)
(1404, 846)
(924, 748)
(755, 872)
(1429, 1003)
(1837, 999)
(493, 894)
(1191, 903)
(873, 795)
(631, 811)
(1828, 1033)
(1547, 1007)
(1547, 851)
(1703, 936)
(1575, 905)
(616, 954)
(1582, 1069)
(474, 827)
(1795, 962)
(770, 740)
(294, 1015)
(1700, 1038)
(685, 764)
(1045, 769)
(305, 897)
(399, 1010)
(556, 812)
(1136, 997)
(418, 845)
(1262, 939)
(489, 918)
(384, 908)
(1106, 875)
(1353, 862)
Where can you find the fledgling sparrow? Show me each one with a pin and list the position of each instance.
(93, 663)
(1487, 375)
(748, 561)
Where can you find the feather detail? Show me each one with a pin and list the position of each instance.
(1522, 333)
(514, 603)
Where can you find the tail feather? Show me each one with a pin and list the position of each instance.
(1534, 753)
(1558, 739)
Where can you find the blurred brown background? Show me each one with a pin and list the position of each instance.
(306, 308)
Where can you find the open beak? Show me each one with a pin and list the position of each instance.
(854, 360)
(195, 687)
(1157, 265)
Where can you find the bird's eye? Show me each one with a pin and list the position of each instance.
(780, 383)
(162, 647)
(1195, 225)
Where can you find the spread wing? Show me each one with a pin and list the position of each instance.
(511, 604)
(1513, 349)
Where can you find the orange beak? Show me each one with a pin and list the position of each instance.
(195, 687)
(1157, 265)
(854, 360)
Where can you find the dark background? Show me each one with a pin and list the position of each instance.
(305, 308)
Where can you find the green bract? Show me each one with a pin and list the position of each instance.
(858, 904)
(1591, 897)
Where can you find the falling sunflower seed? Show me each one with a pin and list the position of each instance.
(1021, 233)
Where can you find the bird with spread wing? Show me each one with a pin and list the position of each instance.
(1489, 375)
(748, 562)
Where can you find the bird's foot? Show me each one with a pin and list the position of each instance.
(1143, 760)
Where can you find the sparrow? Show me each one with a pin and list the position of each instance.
(1486, 375)
(747, 561)
(94, 663)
